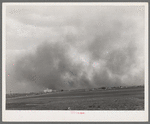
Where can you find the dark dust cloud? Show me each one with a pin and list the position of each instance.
(93, 50)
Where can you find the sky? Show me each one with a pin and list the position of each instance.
(73, 47)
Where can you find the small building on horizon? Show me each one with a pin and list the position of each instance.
(48, 90)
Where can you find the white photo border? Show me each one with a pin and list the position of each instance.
(67, 116)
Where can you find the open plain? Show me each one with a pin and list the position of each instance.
(131, 98)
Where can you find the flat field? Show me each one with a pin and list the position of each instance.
(131, 98)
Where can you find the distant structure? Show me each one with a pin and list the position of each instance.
(48, 90)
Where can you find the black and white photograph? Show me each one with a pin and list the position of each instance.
(75, 58)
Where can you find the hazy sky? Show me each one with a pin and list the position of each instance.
(67, 47)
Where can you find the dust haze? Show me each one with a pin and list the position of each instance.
(74, 47)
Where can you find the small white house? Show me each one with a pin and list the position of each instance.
(48, 90)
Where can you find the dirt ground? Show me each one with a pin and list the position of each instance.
(120, 99)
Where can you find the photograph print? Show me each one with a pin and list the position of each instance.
(74, 57)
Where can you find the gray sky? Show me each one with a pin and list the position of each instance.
(70, 47)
